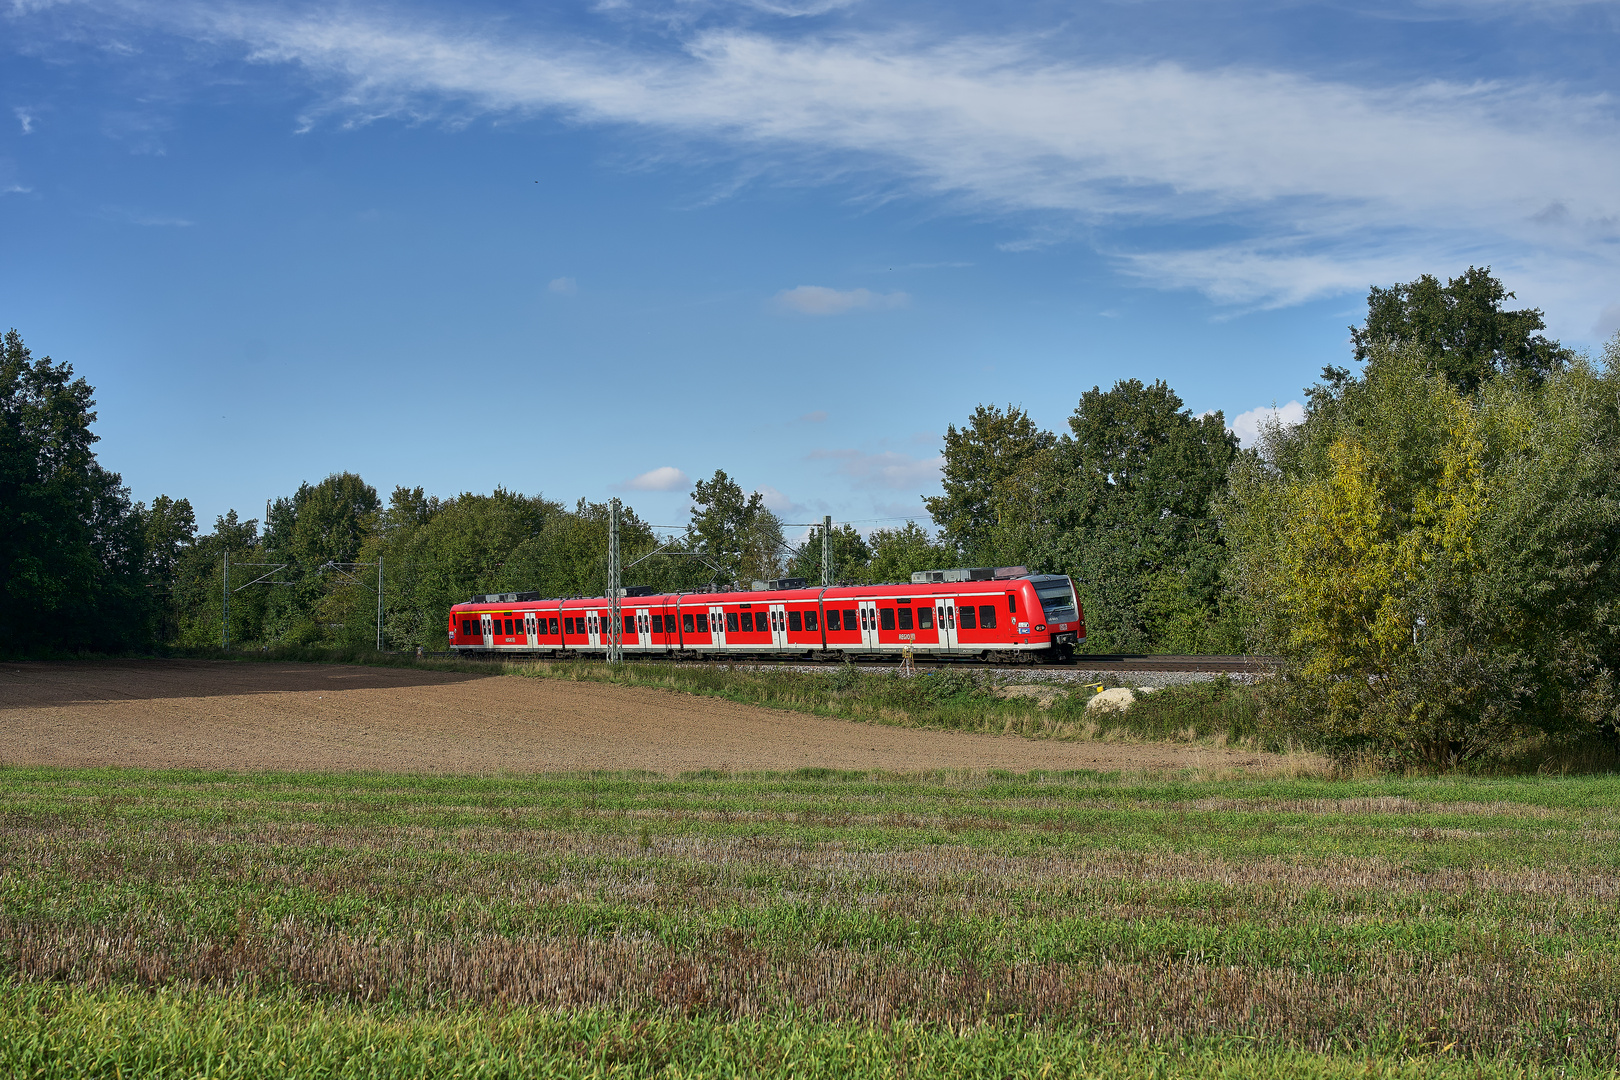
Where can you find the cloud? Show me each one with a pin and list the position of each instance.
(1327, 185)
(1246, 425)
(563, 286)
(820, 300)
(15, 189)
(819, 416)
(25, 118)
(780, 504)
(886, 469)
(798, 10)
(663, 478)
(1608, 322)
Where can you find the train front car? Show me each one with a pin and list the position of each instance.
(1063, 620)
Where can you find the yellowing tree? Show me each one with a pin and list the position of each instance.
(1436, 568)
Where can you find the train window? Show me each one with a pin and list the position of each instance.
(629, 624)
(964, 616)
(568, 625)
(686, 623)
(702, 623)
(905, 618)
(553, 629)
(925, 618)
(731, 622)
(987, 616)
(508, 630)
(1012, 603)
(833, 622)
(795, 621)
(809, 620)
(748, 622)
(850, 619)
(886, 618)
(466, 628)
(658, 624)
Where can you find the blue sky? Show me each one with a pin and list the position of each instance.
(600, 249)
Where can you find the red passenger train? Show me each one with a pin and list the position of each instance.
(1006, 614)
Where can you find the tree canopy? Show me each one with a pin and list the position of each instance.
(73, 557)
(1459, 330)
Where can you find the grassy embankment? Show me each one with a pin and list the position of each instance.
(814, 924)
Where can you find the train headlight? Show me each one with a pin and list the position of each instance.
(1040, 627)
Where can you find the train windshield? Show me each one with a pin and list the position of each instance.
(1057, 599)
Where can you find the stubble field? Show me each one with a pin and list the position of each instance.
(720, 915)
(817, 923)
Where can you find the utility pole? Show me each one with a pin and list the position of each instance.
(615, 644)
(379, 603)
(826, 552)
(225, 593)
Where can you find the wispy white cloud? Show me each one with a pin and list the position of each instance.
(885, 469)
(1247, 425)
(663, 478)
(780, 504)
(25, 118)
(819, 416)
(1328, 182)
(820, 300)
(563, 286)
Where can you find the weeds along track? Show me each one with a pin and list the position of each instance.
(1401, 917)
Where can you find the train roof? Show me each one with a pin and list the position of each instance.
(505, 601)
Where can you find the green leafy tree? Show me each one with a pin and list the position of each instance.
(899, 553)
(170, 528)
(850, 554)
(735, 531)
(71, 543)
(199, 580)
(315, 529)
(1128, 496)
(1437, 567)
(991, 476)
(439, 553)
(1461, 330)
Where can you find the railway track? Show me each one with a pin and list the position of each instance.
(1159, 662)
(1101, 662)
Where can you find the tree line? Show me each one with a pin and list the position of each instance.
(1432, 552)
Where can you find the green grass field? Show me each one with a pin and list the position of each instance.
(815, 924)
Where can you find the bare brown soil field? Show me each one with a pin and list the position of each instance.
(286, 716)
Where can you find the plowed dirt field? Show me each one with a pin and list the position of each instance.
(277, 716)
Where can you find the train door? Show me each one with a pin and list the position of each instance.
(779, 626)
(593, 629)
(485, 625)
(945, 617)
(869, 624)
(644, 628)
(717, 625)
(529, 629)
